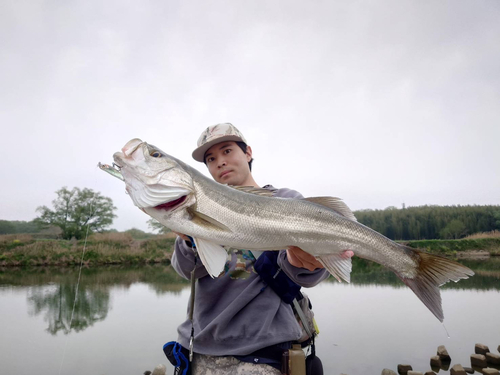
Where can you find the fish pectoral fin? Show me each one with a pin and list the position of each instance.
(256, 191)
(335, 204)
(213, 256)
(339, 266)
(205, 220)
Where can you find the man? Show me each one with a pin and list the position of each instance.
(240, 325)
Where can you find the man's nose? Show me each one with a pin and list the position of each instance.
(222, 163)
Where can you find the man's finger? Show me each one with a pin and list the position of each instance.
(299, 258)
(347, 254)
(183, 236)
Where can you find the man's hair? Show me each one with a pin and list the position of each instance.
(243, 147)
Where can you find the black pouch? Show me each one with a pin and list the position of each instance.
(178, 357)
(313, 363)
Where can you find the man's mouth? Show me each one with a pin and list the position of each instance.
(224, 173)
(172, 204)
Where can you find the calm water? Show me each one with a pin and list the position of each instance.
(124, 316)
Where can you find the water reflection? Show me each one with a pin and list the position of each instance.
(487, 275)
(140, 308)
(56, 304)
(52, 291)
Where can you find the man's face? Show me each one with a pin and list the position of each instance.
(228, 164)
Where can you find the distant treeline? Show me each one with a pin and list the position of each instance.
(431, 222)
(32, 227)
(14, 227)
(411, 223)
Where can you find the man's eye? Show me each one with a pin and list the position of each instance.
(227, 150)
(156, 154)
(210, 160)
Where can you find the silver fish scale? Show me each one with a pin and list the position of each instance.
(263, 223)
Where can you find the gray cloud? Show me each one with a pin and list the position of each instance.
(376, 102)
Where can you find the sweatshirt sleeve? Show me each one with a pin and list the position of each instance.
(183, 260)
(301, 276)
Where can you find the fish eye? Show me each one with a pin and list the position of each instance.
(155, 154)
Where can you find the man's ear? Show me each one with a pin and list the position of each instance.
(249, 153)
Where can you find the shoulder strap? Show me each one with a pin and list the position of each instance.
(302, 317)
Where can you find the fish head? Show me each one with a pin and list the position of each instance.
(154, 180)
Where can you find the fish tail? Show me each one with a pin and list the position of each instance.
(432, 272)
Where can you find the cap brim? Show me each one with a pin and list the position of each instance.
(199, 153)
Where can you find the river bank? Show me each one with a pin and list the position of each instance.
(100, 249)
(463, 248)
(122, 248)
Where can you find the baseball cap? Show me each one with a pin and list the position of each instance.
(216, 134)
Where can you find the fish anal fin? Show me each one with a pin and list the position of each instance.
(335, 204)
(338, 265)
(431, 272)
(213, 256)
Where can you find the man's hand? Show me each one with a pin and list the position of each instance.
(299, 258)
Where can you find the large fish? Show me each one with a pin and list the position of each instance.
(217, 215)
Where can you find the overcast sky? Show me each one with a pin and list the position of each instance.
(377, 102)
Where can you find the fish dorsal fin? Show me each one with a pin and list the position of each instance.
(205, 220)
(256, 191)
(339, 266)
(335, 204)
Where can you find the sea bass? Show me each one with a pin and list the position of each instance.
(217, 215)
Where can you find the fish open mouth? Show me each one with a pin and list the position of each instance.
(172, 204)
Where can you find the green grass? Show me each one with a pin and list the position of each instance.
(122, 248)
(100, 249)
(492, 245)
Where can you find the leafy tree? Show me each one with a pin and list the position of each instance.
(455, 229)
(155, 225)
(16, 226)
(6, 227)
(76, 209)
(496, 216)
(138, 234)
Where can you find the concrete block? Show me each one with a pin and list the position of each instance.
(414, 373)
(386, 371)
(160, 370)
(481, 349)
(490, 371)
(403, 369)
(478, 360)
(493, 358)
(443, 353)
(436, 361)
(469, 370)
(445, 365)
(457, 370)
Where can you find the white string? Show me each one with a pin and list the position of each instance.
(447, 334)
(76, 291)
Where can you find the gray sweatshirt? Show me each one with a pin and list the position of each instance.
(235, 313)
